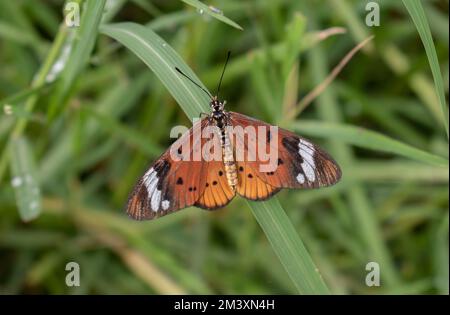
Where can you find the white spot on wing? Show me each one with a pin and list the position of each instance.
(156, 200)
(306, 146)
(300, 178)
(165, 204)
(149, 175)
(309, 171)
(151, 186)
(150, 181)
(306, 151)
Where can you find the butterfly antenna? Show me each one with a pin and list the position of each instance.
(198, 85)
(223, 71)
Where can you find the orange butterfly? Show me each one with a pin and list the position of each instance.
(178, 180)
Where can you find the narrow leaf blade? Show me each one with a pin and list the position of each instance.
(419, 18)
(24, 181)
(212, 11)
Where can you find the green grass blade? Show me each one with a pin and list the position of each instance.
(367, 139)
(162, 59)
(240, 65)
(13, 33)
(148, 7)
(366, 227)
(22, 95)
(212, 11)
(39, 80)
(297, 28)
(84, 43)
(440, 255)
(169, 21)
(24, 182)
(123, 132)
(417, 13)
(288, 246)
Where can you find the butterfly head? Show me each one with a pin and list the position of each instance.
(216, 104)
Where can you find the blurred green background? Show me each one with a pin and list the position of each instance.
(73, 143)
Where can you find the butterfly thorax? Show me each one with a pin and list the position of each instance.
(220, 117)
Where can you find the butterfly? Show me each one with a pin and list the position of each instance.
(177, 179)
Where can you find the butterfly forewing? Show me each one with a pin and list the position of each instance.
(171, 184)
(299, 164)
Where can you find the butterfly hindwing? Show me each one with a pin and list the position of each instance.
(251, 185)
(217, 193)
(299, 164)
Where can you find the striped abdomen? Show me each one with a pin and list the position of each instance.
(228, 160)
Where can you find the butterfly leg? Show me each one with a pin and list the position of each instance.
(203, 115)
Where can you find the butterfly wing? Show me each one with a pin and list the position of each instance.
(217, 193)
(252, 185)
(177, 180)
(299, 163)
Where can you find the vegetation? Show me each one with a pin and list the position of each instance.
(86, 109)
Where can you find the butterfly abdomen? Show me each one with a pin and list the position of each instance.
(230, 165)
(228, 159)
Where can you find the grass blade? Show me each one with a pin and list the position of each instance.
(288, 246)
(22, 95)
(24, 182)
(123, 132)
(39, 80)
(162, 59)
(367, 139)
(212, 11)
(417, 13)
(84, 43)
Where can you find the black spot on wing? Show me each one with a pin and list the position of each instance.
(291, 144)
(161, 168)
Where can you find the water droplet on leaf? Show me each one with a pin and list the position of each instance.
(215, 10)
(16, 181)
(7, 109)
